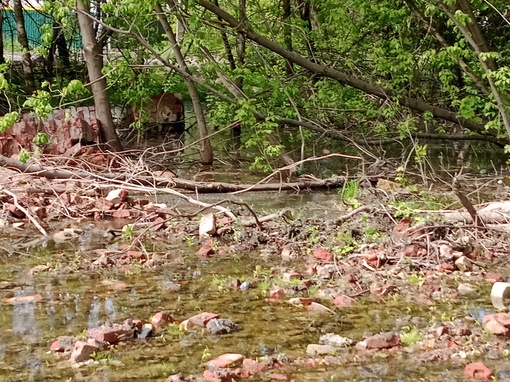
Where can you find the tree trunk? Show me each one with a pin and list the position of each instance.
(94, 60)
(23, 41)
(430, 26)
(476, 32)
(2, 58)
(58, 42)
(206, 155)
(287, 34)
(241, 49)
(305, 11)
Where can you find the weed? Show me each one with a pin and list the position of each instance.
(371, 234)
(313, 234)
(415, 279)
(264, 286)
(206, 354)
(103, 356)
(349, 192)
(165, 368)
(128, 231)
(411, 336)
(260, 271)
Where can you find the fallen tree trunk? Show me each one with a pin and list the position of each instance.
(202, 187)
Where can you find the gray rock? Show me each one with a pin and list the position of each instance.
(316, 349)
(221, 326)
(335, 340)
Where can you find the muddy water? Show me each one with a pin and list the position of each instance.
(72, 303)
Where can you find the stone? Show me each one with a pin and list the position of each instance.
(221, 326)
(287, 254)
(463, 264)
(446, 268)
(323, 255)
(497, 323)
(63, 344)
(344, 301)
(82, 351)
(228, 360)
(179, 377)
(277, 293)
(245, 286)
(317, 349)
(478, 371)
(318, 308)
(111, 333)
(207, 225)
(117, 196)
(146, 331)
(15, 211)
(200, 320)
(161, 318)
(445, 252)
(222, 375)
(206, 249)
(300, 301)
(335, 340)
(326, 272)
(288, 276)
(254, 367)
(492, 277)
(465, 289)
(379, 341)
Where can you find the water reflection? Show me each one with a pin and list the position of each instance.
(95, 307)
(110, 310)
(23, 318)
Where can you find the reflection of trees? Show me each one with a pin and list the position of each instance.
(23, 318)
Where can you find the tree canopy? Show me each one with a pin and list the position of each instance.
(356, 70)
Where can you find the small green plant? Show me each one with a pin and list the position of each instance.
(400, 175)
(415, 279)
(190, 240)
(102, 356)
(39, 102)
(264, 286)
(24, 155)
(260, 271)
(41, 139)
(313, 234)
(206, 354)
(172, 330)
(8, 120)
(349, 192)
(410, 336)
(404, 209)
(371, 234)
(128, 231)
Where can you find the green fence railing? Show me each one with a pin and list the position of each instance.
(34, 20)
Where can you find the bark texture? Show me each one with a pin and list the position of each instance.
(28, 71)
(94, 60)
(206, 154)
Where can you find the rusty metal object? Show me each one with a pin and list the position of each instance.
(64, 128)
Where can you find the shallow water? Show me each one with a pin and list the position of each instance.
(72, 303)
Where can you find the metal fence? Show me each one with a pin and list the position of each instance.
(34, 20)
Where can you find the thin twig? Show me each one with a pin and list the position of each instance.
(25, 211)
